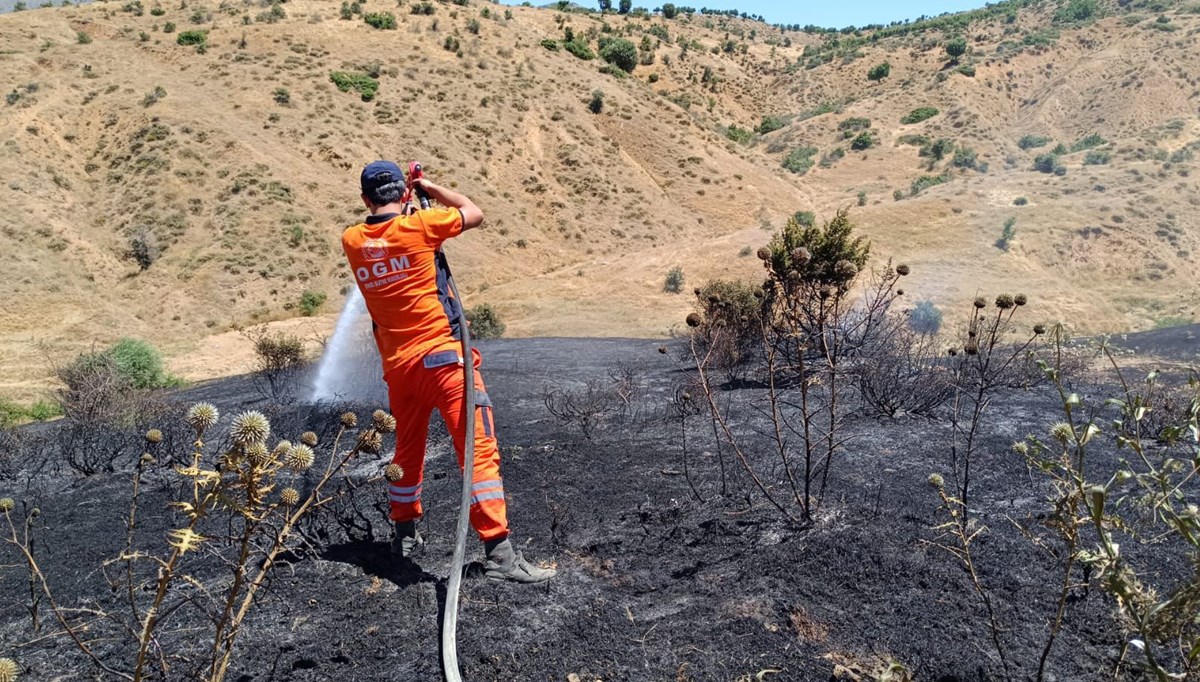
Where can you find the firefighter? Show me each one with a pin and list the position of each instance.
(397, 260)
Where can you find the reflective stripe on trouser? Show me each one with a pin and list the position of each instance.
(414, 391)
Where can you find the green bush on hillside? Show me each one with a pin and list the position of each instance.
(919, 114)
(359, 82)
(192, 38)
(381, 20)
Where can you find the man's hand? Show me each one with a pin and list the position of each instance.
(471, 214)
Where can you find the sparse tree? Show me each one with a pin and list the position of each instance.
(879, 72)
(956, 48)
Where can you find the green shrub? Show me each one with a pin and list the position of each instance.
(1078, 10)
(157, 11)
(596, 105)
(938, 149)
(956, 48)
(925, 182)
(1087, 142)
(359, 82)
(1033, 142)
(12, 414)
(192, 38)
(864, 140)
(799, 160)
(1020, 201)
(770, 124)
(1097, 157)
(740, 135)
(138, 362)
(673, 283)
(967, 70)
(1008, 234)
(913, 140)
(450, 44)
(82, 38)
(550, 44)
(426, 8)
(879, 72)
(1048, 163)
(578, 46)
(473, 25)
(620, 53)
(169, 27)
(919, 114)
(827, 247)
(311, 301)
(964, 157)
(485, 322)
(862, 197)
(282, 96)
(669, 11)
(854, 124)
(381, 20)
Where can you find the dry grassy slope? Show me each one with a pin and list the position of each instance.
(586, 213)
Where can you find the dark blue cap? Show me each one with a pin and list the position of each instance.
(380, 173)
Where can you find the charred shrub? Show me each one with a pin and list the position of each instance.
(584, 408)
(903, 372)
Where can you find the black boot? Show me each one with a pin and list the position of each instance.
(408, 539)
(506, 563)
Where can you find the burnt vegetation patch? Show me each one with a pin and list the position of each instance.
(1005, 501)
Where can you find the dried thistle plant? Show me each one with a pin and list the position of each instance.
(232, 496)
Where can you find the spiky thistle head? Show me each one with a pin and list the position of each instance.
(980, 302)
(1005, 302)
(693, 320)
(8, 670)
(1020, 299)
(937, 481)
(1039, 329)
(250, 427)
(258, 454)
(826, 291)
(902, 270)
(349, 420)
(281, 448)
(393, 472)
(6, 504)
(383, 422)
(764, 254)
(154, 436)
(371, 442)
(201, 416)
(309, 438)
(971, 348)
(1062, 432)
(899, 292)
(289, 497)
(1021, 448)
(300, 457)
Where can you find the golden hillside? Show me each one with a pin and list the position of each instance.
(235, 165)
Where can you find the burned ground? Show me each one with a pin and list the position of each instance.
(654, 583)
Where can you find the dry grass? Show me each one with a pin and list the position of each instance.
(245, 196)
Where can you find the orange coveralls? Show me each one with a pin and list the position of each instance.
(402, 273)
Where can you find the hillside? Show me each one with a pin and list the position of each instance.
(174, 192)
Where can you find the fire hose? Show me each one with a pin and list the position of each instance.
(454, 581)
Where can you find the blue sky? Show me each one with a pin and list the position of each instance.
(836, 14)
